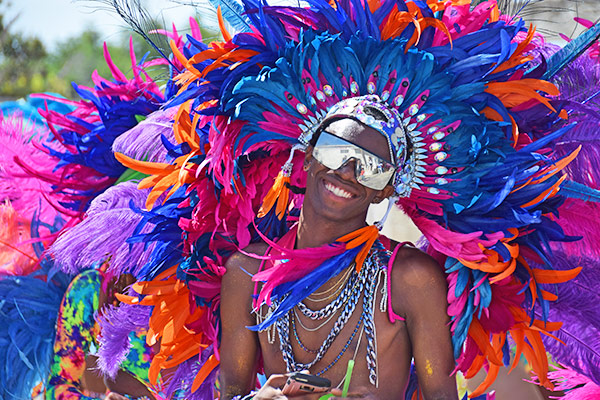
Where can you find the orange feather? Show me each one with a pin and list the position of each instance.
(206, 369)
(224, 33)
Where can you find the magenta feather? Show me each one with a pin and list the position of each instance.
(290, 264)
(22, 197)
(575, 385)
(453, 244)
(17, 256)
(580, 218)
(23, 191)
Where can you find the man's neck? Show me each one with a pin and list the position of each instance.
(315, 231)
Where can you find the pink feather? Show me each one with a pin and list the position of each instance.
(453, 244)
(580, 218)
(24, 191)
(16, 253)
(575, 385)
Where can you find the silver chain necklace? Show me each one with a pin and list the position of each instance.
(358, 284)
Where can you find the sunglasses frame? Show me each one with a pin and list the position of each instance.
(361, 162)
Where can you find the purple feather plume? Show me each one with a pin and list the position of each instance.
(185, 374)
(116, 323)
(143, 141)
(103, 234)
(577, 308)
(579, 85)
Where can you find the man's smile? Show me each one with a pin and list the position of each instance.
(337, 190)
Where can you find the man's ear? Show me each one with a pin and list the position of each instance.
(307, 158)
(383, 194)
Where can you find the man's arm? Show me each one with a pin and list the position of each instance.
(239, 345)
(419, 292)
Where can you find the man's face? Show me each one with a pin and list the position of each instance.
(335, 194)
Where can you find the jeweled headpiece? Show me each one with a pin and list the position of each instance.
(361, 109)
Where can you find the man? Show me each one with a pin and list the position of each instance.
(335, 204)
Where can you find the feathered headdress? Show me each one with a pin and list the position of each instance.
(483, 189)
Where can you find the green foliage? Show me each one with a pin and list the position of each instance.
(75, 59)
(21, 61)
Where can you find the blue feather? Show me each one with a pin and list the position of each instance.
(574, 190)
(298, 290)
(28, 310)
(233, 13)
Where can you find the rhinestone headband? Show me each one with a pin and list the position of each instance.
(392, 129)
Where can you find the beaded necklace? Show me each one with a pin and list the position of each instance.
(357, 285)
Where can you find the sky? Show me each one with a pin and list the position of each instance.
(54, 21)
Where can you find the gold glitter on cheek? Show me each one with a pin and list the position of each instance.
(428, 368)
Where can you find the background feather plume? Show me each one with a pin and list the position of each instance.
(109, 221)
(577, 308)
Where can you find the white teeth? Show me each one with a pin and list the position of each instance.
(337, 191)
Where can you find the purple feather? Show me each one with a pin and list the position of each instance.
(103, 233)
(143, 141)
(116, 323)
(579, 85)
(577, 308)
(185, 374)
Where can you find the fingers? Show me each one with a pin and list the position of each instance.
(277, 380)
(115, 396)
(271, 389)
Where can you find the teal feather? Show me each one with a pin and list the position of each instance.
(571, 51)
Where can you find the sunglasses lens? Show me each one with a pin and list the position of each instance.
(371, 171)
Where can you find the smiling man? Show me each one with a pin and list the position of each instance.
(350, 164)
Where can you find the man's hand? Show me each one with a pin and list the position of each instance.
(115, 396)
(271, 391)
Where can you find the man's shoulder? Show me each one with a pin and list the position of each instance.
(416, 273)
(246, 261)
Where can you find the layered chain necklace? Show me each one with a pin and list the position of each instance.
(365, 283)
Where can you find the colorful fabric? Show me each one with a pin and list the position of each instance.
(77, 336)
(76, 332)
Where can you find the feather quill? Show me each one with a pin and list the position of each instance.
(571, 51)
(137, 17)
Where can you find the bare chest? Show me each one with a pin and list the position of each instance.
(381, 351)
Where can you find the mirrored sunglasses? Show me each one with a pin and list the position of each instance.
(370, 170)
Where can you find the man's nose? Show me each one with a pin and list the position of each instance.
(346, 171)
